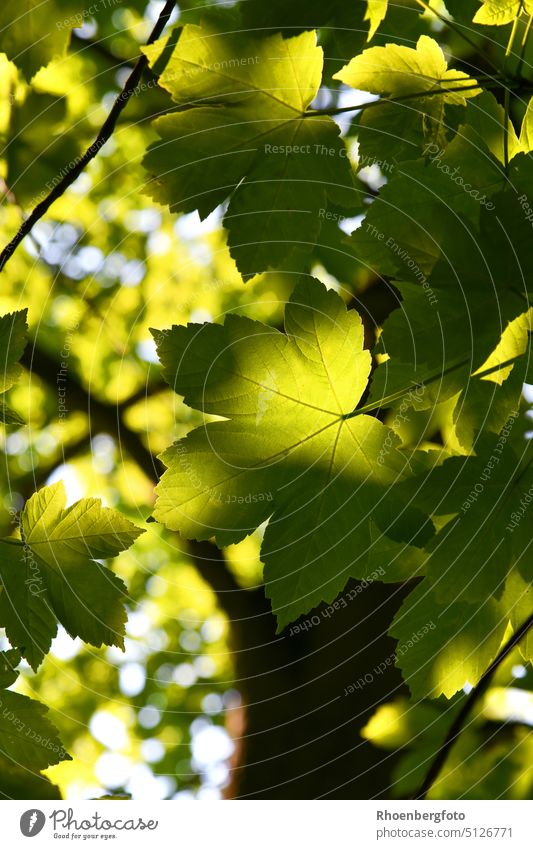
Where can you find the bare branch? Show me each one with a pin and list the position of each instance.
(75, 168)
(479, 690)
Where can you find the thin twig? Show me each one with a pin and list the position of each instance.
(75, 168)
(478, 691)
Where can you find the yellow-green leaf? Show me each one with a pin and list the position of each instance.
(376, 11)
(397, 71)
(244, 133)
(289, 449)
(499, 12)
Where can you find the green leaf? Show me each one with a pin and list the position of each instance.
(376, 127)
(25, 608)
(87, 598)
(197, 64)
(18, 783)
(526, 133)
(33, 33)
(499, 12)
(424, 361)
(33, 169)
(8, 416)
(281, 207)
(485, 404)
(289, 449)
(56, 533)
(514, 343)
(507, 230)
(89, 603)
(53, 576)
(438, 226)
(13, 338)
(241, 133)
(9, 660)
(485, 118)
(477, 566)
(441, 649)
(27, 738)
(473, 553)
(518, 599)
(392, 132)
(376, 11)
(423, 204)
(396, 71)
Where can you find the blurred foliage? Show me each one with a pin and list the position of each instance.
(491, 759)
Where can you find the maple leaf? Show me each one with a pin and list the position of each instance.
(293, 449)
(243, 131)
(62, 580)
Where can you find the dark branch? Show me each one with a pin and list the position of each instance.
(459, 721)
(75, 168)
(103, 417)
(241, 606)
(147, 391)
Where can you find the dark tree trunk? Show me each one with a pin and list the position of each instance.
(301, 730)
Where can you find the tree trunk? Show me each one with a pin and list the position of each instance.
(301, 727)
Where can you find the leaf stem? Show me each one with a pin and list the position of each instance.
(395, 396)
(523, 46)
(513, 33)
(76, 166)
(479, 690)
(400, 99)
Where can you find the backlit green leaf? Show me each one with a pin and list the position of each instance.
(375, 13)
(241, 133)
(27, 737)
(54, 576)
(33, 33)
(289, 451)
(499, 12)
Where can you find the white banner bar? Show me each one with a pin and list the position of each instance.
(262, 825)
